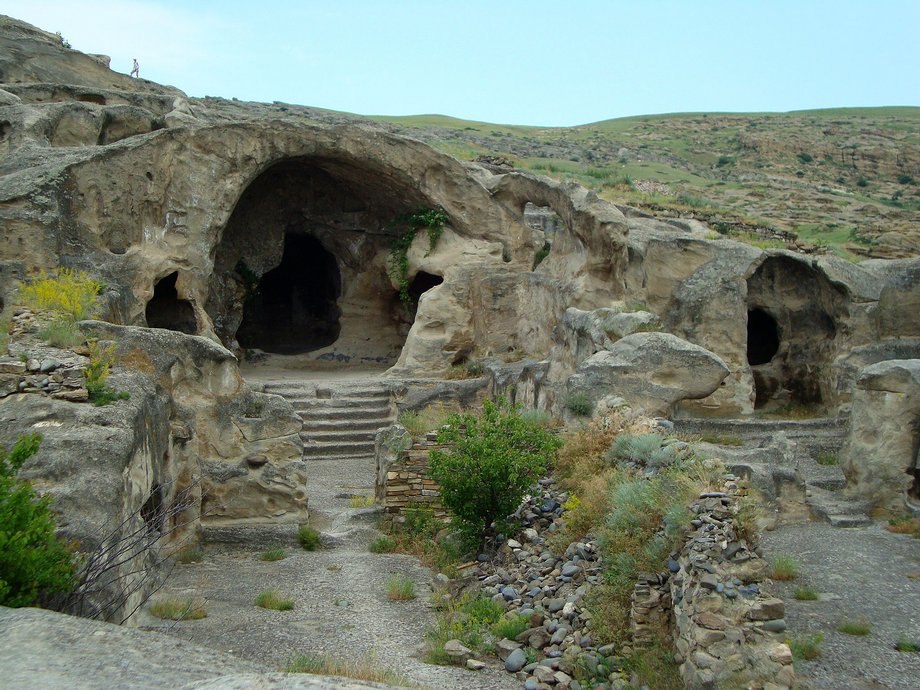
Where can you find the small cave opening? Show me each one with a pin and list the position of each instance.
(422, 283)
(152, 510)
(762, 337)
(166, 310)
(294, 308)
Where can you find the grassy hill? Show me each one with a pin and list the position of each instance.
(848, 178)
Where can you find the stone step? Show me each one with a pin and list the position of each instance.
(320, 449)
(323, 424)
(375, 404)
(338, 436)
(312, 393)
(836, 509)
(344, 413)
(812, 435)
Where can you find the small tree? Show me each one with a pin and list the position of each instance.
(492, 461)
(34, 563)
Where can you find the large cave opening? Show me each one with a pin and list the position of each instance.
(294, 309)
(792, 326)
(301, 267)
(166, 310)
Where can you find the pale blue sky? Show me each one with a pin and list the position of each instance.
(513, 61)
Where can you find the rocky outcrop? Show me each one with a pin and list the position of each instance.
(652, 371)
(880, 456)
(42, 649)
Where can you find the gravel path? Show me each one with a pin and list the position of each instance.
(864, 573)
(340, 593)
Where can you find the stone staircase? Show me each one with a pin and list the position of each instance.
(340, 418)
(800, 451)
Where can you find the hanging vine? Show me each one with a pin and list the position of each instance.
(433, 220)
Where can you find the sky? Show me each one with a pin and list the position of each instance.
(527, 62)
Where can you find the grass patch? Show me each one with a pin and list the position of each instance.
(784, 567)
(190, 554)
(655, 666)
(416, 532)
(420, 422)
(179, 609)
(400, 588)
(827, 458)
(325, 665)
(469, 619)
(382, 544)
(270, 599)
(805, 594)
(907, 645)
(62, 332)
(308, 538)
(905, 525)
(854, 627)
(470, 369)
(510, 627)
(275, 554)
(361, 501)
(806, 647)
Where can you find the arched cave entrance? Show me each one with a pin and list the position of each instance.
(166, 310)
(301, 266)
(293, 308)
(793, 312)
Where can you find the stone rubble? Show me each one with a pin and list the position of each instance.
(710, 599)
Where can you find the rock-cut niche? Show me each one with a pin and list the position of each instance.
(166, 310)
(792, 323)
(301, 266)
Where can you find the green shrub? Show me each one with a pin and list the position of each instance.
(400, 588)
(862, 181)
(805, 594)
(273, 601)
(173, 609)
(34, 563)
(382, 545)
(579, 404)
(433, 220)
(651, 450)
(805, 157)
(905, 179)
(492, 460)
(469, 619)
(67, 293)
(785, 567)
(807, 647)
(510, 627)
(101, 359)
(827, 458)
(854, 627)
(275, 554)
(308, 538)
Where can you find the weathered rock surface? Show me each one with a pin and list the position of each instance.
(880, 457)
(42, 649)
(651, 370)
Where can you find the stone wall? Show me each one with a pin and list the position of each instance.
(727, 629)
(407, 484)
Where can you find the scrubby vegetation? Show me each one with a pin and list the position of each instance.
(784, 567)
(270, 599)
(274, 554)
(70, 296)
(179, 609)
(400, 588)
(308, 537)
(492, 459)
(34, 563)
(326, 665)
(101, 359)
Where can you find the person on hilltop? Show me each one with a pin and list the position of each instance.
(136, 70)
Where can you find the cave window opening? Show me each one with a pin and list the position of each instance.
(166, 310)
(421, 284)
(762, 337)
(152, 511)
(294, 308)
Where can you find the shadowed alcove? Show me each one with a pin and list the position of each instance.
(301, 266)
(793, 311)
(166, 310)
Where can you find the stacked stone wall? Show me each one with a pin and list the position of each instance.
(407, 484)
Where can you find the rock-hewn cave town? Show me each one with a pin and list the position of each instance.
(255, 357)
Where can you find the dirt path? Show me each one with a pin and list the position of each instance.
(340, 594)
(864, 573)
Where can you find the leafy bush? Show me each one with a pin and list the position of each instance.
(433, 220)
(68, 293)
(34, 563)
(492, 461)
(273, 601)
(905, 179)
(805, 157)
(579, 404)
(308, 538)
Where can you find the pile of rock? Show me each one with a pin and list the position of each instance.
(549, 591)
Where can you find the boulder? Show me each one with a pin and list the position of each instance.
(652, 371)
(879, 457)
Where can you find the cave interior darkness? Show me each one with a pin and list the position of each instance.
(166, 310)
(294, 307)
